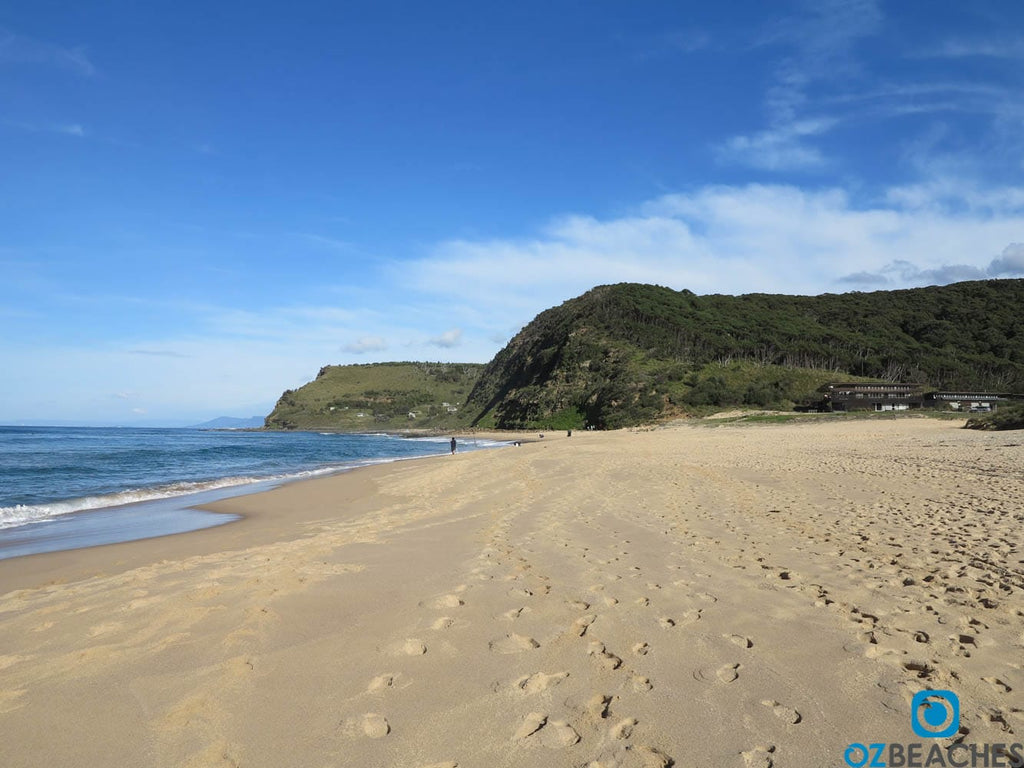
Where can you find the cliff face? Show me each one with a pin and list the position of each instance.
(625, 354)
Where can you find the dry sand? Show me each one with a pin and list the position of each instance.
(714, 596)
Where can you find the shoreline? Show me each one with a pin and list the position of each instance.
(162, 514)
(730, 597)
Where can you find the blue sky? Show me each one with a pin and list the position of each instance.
(203, 203)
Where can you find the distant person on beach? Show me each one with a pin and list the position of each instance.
(453, 445)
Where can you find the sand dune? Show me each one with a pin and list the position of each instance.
(708, 596)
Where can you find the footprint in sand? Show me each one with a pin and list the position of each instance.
(539, 681)
(691, 617)
(580, 626)
(558, 734)
(513, 643)
(606, 659)
(553, 734)
(410, 647)
(447, 601)
(623, 729)
(998, 684)
(652, 758)
(597, 706)
(641, 649)
(726, 673)
(641, 684)
(382, 682)
(445, 622)
(532, 723)
(740, 640)
(666, 623)
(375, 726)
(759, 757)
(784, 713)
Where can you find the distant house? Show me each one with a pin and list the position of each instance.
(860, 396)
(968, 400)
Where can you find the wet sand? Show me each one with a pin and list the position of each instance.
(710, 596)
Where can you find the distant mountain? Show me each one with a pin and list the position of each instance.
(627, 354)
(230, 422)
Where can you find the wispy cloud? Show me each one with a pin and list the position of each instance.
(20, 49)
(819, 43)
(158, 353)
(71, 130)
(331, 243)
(688, 40)
(780, 148)
(1007, 48)
(65, 129)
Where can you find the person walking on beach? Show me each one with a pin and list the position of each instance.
(453, 445)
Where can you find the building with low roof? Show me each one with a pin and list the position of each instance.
(968, 400)
(871, 396)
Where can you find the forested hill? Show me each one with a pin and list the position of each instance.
(627, 353)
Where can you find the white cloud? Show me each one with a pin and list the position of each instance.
(755, 238)
(366, 344)
(448, 339)
(1010, 264)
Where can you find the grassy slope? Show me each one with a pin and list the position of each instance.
(384, 393)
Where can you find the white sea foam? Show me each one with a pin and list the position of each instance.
(23, 514)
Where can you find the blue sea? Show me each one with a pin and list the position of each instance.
(64, 488)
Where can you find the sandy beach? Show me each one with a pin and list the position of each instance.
(731, 595)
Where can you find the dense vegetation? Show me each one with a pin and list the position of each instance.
(362, 398)
(1006, 417)
(628, 354)
(625, 354)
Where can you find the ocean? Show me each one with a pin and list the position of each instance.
(65, 488)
